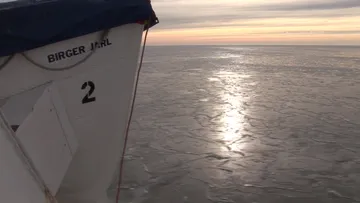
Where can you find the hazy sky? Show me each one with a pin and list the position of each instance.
(331, 22)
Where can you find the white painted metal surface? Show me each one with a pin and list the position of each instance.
(48, 139)
(100, 125)
(90, 104)
(2, 102)
(17, 183)
(19, 106)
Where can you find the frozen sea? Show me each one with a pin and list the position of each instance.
(246, 124)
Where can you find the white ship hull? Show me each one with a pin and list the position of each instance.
(74, 132)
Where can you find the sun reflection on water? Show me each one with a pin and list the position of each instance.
(232, 111)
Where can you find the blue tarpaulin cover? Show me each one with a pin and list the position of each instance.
(26, 25)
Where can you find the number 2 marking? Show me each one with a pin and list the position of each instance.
(87, 98)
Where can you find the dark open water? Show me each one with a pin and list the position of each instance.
(246, 125)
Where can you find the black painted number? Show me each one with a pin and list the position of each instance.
(88, 98)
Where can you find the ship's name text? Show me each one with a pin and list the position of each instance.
(61, 55)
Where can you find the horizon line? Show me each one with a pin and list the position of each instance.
(327, 45)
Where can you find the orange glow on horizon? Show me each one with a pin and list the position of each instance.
(327, 27)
